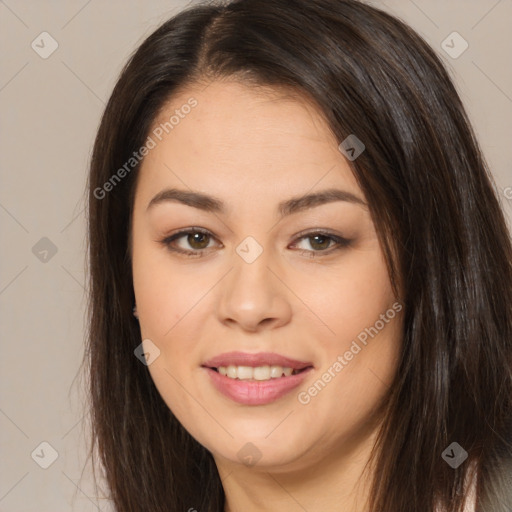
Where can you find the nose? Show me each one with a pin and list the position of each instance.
(253, 296)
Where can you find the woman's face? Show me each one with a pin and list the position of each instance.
(269, 272)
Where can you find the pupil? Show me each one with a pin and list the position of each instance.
(192, 238)
(322, 246)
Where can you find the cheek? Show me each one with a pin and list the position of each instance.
(164, 292)
(360, 352)
(168, 302)
(351, 297)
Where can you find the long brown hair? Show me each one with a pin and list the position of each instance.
(433, 203)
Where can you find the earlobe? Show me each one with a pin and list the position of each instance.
(135, 314)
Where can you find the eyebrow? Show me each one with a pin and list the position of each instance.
(293, 205)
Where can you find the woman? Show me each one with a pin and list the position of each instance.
(289, 198)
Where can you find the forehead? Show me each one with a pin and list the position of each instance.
(239, 139)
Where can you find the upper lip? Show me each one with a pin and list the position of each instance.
(259, 359)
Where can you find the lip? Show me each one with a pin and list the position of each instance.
(256, 392)
(254, 360)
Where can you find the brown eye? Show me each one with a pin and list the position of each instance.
(192, 242)
(197, 240)
(321, 243)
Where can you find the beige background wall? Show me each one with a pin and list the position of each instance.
(50, 111)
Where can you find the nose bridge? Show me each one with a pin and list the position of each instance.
(251, 293)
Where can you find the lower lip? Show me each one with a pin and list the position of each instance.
(256, 392)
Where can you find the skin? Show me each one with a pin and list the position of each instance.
(253, 148)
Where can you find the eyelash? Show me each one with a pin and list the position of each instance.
(198, 253)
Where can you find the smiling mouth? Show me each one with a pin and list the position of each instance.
(257, 385)
(258, 373)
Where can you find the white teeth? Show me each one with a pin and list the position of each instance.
(276, 371)
(257, 373)
(244, 372)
